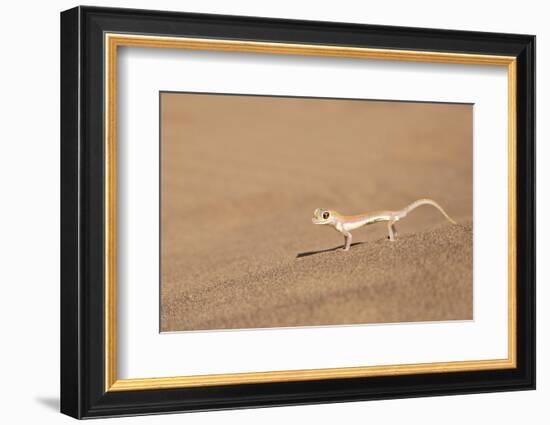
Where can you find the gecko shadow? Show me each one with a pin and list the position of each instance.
(307, 254)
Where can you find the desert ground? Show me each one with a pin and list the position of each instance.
(241, 177)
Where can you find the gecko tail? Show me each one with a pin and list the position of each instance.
(431, 202)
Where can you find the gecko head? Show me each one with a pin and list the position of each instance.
(322, 216)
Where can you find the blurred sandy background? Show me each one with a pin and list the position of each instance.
(241, 176)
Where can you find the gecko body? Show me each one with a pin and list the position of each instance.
(346, 223)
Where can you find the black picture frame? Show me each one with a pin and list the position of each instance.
(83, 392)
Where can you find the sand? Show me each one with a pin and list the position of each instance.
(241, 176)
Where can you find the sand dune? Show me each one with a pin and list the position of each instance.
(425, 276)
(241, 176)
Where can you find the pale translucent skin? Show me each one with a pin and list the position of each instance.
(346, 223)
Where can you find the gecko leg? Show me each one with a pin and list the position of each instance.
(391, 230)
(348, 238)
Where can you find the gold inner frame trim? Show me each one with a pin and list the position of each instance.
(113, 41)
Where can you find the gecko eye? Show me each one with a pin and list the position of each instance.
(326, 215)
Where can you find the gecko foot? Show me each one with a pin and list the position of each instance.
(392, 233)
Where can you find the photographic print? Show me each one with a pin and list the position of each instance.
(293, 211)
(299, 197)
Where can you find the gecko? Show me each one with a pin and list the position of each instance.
(346, 223)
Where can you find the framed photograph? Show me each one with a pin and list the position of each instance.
(260, 212)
